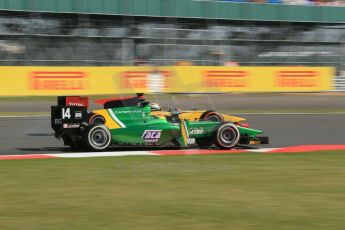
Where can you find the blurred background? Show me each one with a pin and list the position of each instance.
(302, 36)
(174, 33)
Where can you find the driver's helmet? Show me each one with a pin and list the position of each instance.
(154, 107)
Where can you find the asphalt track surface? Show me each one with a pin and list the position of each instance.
(27, 135)
(323, 102)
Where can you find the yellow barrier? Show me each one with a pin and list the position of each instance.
(38, 81)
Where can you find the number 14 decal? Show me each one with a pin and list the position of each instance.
(66, 113)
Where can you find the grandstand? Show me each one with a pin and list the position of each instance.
(31, 35)
(296, 2)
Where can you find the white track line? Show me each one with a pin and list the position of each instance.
(137, 153)
(294, 149)
(103, 154)
(263, 150)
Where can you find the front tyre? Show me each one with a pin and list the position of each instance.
(97, 137)
(227, 136)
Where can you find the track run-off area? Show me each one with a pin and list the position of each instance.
(25, 137)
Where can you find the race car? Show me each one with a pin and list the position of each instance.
(131, 122)
(191, 115)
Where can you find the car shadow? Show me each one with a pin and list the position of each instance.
(44, 149)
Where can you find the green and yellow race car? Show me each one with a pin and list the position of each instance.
(133, 121)
(190, 115)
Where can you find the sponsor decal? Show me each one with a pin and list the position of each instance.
(115, 118)
(191, 141)
(75, 104)
(254, 142)
(196, 131)
(151, 136)
(77, 101)
(185, 133)
(141, 79)
(226, 78)
(57, 121)
(51, 80)
(71, 126)
(297, 79)
(78, 115)
(125, 112)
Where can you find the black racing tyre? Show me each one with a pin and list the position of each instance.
(96, 137)
(212, 115)
(205, 142)
(95, 119)
(227, 136)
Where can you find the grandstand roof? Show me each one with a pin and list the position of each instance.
(184, 9)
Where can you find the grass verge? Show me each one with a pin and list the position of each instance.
(243, 191)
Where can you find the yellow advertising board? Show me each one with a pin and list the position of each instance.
(44, 81)
(255, 79)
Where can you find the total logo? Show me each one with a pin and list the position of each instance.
(151, 136)
(75, 104)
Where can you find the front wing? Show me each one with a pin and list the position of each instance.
(260, 140)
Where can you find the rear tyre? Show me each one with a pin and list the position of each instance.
(96, 137)
(227, 136)
(95, 119)
(212, 116)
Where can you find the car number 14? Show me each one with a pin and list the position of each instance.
(66, 113)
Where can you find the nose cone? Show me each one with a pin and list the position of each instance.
(248, 131)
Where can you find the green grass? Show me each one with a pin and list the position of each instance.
(244, 191)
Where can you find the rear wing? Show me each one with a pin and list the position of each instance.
(69, 114)
(73, 101)
(122, 101)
